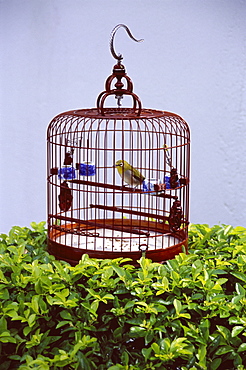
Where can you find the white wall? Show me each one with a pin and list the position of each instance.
(55, 57)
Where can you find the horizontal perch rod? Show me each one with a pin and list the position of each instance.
(75, 231)
(129, 211)
(103, 225)
(122, 188)
(106, 186)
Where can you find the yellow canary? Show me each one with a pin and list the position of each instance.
(128, 173)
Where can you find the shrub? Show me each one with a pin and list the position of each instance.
(187, 313)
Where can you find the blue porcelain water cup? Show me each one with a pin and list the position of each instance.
(87, 169)
(66, 173)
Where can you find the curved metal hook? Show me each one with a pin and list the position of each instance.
(119, 57)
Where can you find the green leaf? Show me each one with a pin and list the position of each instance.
(240, 290)
(5, 337)
(216, 363)
(242, 347)
(107, 273)
(155, 348)
(236, 299)
(135, 321)
(145, 263)
(236, 330)
(146, 353)
(125, 358)
(204, 327)
(224, 349)
(118, 333)
(62, 323)
(137, 330)
(129, 304)
(108, 296)
(224, 331)
(27, 330)
(15, 357)
(149, 337)
(175, 276)
(94, 305)
(31, 319)
(66, 315)
(165, 283)
(3, 324)
(178, 305)
(239, 275)
(4, 294)
(202, 351)
(35, 304)
(196, 269)
(119, 271)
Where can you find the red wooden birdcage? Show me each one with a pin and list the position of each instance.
(118, 178)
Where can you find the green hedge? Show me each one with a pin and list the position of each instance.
(188, 313)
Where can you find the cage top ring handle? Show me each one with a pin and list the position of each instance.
(119, 73)
(119, 57)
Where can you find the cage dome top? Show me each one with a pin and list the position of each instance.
(119, 84)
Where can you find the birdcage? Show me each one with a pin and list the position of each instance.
(118, 178)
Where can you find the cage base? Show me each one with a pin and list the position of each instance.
(69, 242)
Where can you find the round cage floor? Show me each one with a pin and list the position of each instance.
(117, 241)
